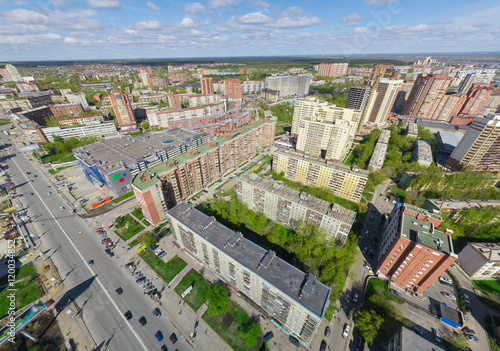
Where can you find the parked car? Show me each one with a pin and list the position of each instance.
(472, 338)
(119, 291)
(418, 330)
(173, 338)
(142, 278)
(347, 328)
(466, 298)
(268, 336)
(143, 321)
(293, 341)
(328, 331)
(437, 334)
(450, 296)
(468, 331)
(355, 298)
(128, 315)
(323, 345)
(445, 280)
(109, 252)
(159, 336)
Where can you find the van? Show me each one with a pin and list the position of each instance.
(365, 249)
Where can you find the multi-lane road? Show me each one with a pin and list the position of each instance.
(92, 287)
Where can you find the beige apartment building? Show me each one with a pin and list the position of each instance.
(288, 206)
(345, 181)
(294, 300)
(481, 261)
(381, 100)
(330, 140)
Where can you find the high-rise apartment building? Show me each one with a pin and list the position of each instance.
(288, 85)
(295, 301)
(144, 75)
(288, 206)
(413, 253)
(207, 86)
(14, 74)
(476, 98)
(122, 109)
(426, 95)
(479, 149)
(164, 185)
(319, 110)
(332, 69)
(174, 101)
(345, 182)
(475, 78)
(358, 98)
(381, 100)
(232, 89)
(330, 140)
(449, 106)
(402, 96)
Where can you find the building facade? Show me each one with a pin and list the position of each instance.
(481, 261)
(381, 101)
(476, 98)
(479, 149)
(413, 253)
(288, 85)
(66, 109)
(174, 101)
(232, 89)
(122, 109)
(378, 156)
(330, 140)
(80, 120)
(422, 152)
(426, 95)
(358, 98)
(166, 118)
(94, 129)
(294, 300)
(206, 86)
(288, 206)
(345, 182)
(161, 187)
(332, 69)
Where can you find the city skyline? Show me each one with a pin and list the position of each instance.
(216, 28)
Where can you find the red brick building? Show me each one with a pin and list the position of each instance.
(413, 253)
(66, 109)
(476, 99)
(174, 101)
(207, 86)
(122, 109)
(232, 89)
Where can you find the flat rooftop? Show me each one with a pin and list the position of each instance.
(180, 159)
(422, 232)
(290, 280)
(490, 251)
(321, 162)
(449, 140)
(114, 153)
(324, 207)
(411, 341)
(451, 314)
(423, 150)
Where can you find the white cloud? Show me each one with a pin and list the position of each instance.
(261, 3)
(443, 22)
(153, 6)
(297, 22)
(187, 22)
(420, 28)
(51, 36)
(88, 23)
(70, 40)
(360, 30)
(255, 18)
(351, 20)
(147, 25)
(195, 8)
(222, 4)
(105, 4)
(378, 2)
(292, 11)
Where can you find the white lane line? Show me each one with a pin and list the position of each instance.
(79, 254)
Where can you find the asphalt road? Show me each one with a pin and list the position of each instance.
(92, 287)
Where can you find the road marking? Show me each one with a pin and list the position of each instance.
(95, 193)
(79, 254)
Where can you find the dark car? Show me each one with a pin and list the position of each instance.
(157, 312)
(173, 338)
(159, 336)
(322, 347)
(128, 315)
(294, 341)
(361, 344)
(119, 291)
(164, 348)
(138, 280)
(328, 331)
(468, 331)
(142, 321)
(268, 336)
(109, 252)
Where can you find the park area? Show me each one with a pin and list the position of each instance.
(167, 271)
(28, 289)
(229, 324)
(126, 227)
(198, 294)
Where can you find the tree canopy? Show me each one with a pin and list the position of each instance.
(217, 299)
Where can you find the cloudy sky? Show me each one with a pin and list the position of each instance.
(107, 29)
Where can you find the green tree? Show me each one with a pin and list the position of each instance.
(145, 124)
(249, 333)
(217, 299)
(148, 239)
(36, 348)
(368, 323)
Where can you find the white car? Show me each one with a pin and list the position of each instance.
(62, 208)
(466, 298)
(48, 193)
(347, 328)
(355, 298)
(445, 281)
(450, 296)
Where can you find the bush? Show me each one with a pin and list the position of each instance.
(249, 333)
(218, 299)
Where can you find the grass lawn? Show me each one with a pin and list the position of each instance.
(138, 213)
(4, 121)
(124, 196)
(167, 271)
(487, 286)
(161, 225)
(27, 292)
(145, 222)
(133, 243)
(54, 171)
(374, 284)
(126, 227)
(21, 272)
(198, 294)
(230, 335)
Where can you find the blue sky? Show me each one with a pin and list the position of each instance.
(114, 29)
